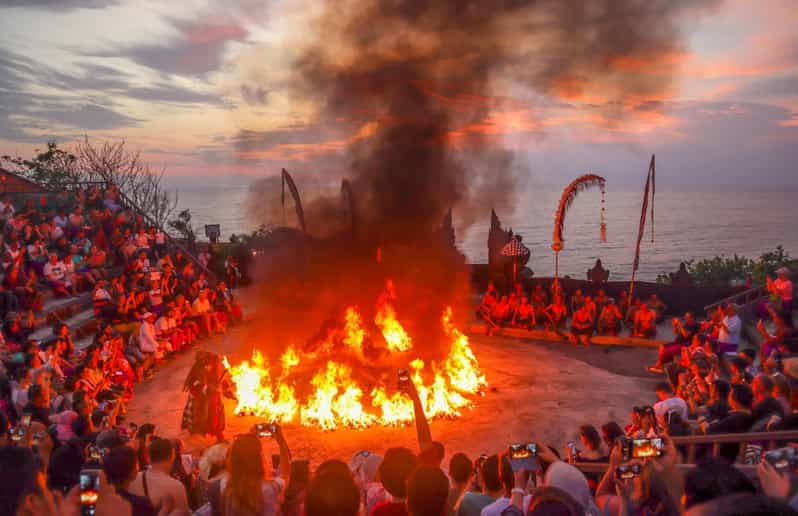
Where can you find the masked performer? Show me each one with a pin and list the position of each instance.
(206, 383)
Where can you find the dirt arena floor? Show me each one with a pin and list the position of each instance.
(538, 391)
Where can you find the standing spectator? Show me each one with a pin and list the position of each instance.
(781, 287)
(246, 489)
(427, 492)
(461, 470)
(120, 467)
(738, 420)
(393, 473)
(156, 483)
(729, 331)
(472, 503)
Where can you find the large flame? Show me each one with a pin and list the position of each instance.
(392, 330)
(336, 398)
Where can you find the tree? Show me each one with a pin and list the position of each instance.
(54, 167)
(113, 163)
(722, 270)
(109, 162)
(182, 225)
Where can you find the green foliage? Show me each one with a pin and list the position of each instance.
(109, 162)
(54, 167)
(722, 270)
(182, 225)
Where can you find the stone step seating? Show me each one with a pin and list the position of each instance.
(76, 312)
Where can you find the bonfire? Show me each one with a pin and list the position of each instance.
(335, 396)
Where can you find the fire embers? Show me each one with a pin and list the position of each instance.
(338, 397)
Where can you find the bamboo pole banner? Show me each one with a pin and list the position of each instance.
(648, 192)
(568, 196)
(295, 194)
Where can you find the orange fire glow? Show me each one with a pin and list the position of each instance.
(338, 398)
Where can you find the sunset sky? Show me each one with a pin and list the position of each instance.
(186, 81)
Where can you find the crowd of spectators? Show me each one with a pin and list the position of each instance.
(145, 301)
(62, 408)
(551, 308)
(43, 471)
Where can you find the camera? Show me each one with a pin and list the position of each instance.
(627, 472)
(24, 421)
(404, 376)
(265, 429)
(89, 491)
(641, 448)
(782, 458)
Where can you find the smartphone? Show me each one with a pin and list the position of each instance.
(404, 376)
(523, 451)
(782, 458)
(89, 491)
(24, 421)
(265, 429)
(627, 472)
(95, 454)
(646, 448)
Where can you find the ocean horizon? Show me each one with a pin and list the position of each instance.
(690, 222)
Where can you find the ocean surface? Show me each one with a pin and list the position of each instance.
(689, 223)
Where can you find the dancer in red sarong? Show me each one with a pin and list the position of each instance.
(206, 383)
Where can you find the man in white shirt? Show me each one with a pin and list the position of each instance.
(148, 341)
(201, 309)
(730, 328)
(54, 272)
(157, 484)
(668, 402)
(7, 209)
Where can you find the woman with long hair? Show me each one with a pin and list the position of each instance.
(247, 490)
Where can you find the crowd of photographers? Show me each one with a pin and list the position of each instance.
(111, 473)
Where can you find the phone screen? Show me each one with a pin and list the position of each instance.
(523, 451)
(89, 491)
(645, 448)
(264, 429)
(25, 420)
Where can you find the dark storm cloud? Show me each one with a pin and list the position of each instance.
(83, 98)
(59, 5)
(89, 116)
(198, 49)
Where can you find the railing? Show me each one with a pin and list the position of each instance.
(152, 222)
(742, 299)
(771, 440)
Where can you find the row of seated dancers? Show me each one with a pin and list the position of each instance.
(548, 309)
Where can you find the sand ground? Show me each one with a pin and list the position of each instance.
(537, 391)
